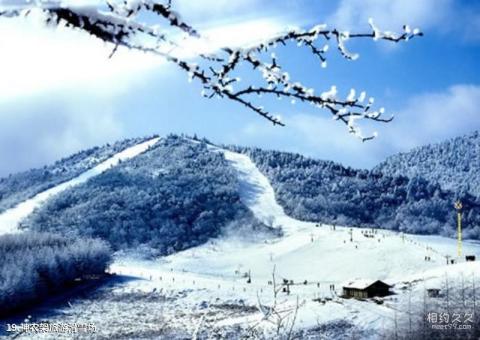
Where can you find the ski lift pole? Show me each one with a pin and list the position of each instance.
(458, 207)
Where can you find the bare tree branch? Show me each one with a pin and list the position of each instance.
(119, 23)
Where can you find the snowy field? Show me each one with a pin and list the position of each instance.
(225, 287)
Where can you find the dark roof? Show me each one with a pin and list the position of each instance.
(364, 284)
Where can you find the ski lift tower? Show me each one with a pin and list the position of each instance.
(458, 206)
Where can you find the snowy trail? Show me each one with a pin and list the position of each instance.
(255, 189)
(10, 219)
(313, 245)
(258, 195)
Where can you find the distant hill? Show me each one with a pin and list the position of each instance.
(327, 192)
(24, 185)
(180, 193)
(455, 164)
(176, 195)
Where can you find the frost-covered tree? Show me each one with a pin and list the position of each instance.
(35, 265)
(175, 196)
(323, 191)
(19, 187)
(155, 27)
(452, 163)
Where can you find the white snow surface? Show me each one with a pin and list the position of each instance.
(255, 190)
(10, 219)
(320, 255)
(314, 256)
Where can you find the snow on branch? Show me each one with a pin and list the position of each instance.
(121, 24)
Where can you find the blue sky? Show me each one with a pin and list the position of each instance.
(59, 93)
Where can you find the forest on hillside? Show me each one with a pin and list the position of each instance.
(175, 196)
(327, 192)
(19, 187)
(179, 194)
(454, 163)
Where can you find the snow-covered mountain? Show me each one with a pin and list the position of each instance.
(179, 193)
(174, 195)
(324, 191)
(19, 187)
(240, 245)
(454, 163)
(28, 183)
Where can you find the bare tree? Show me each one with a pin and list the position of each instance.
(281, 314)
(118, 22)
(474, 292)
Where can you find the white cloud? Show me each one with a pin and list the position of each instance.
(60, 93)
(391, 14)
(35, 59)
(425, 118)
(200, 10)
(46, 128)
(436, 116)
(238, 34)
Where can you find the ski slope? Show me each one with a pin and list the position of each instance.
(313, 256)
(320, 256)
(255, 190)
(10, 219)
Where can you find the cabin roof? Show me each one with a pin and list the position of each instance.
(362, 283)
(435, 283)
(432, 285)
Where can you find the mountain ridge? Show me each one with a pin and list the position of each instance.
(453, 163)
(23, 185)
(187, 193)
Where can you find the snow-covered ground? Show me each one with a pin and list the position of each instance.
(314, 256)
(318, 255)
(10, 219)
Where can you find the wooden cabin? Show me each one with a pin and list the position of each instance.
(433, 292)
(469, 258)
(363, 289)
